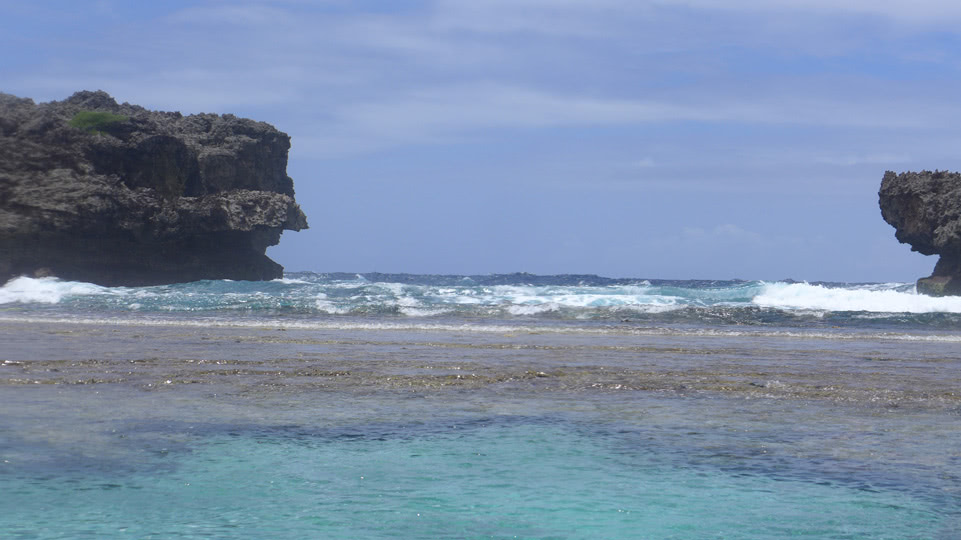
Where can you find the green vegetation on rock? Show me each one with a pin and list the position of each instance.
(96, 121)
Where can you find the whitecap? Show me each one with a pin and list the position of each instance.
(290, 281)
(323, 304)
(47, 290)
(890, 299)
(532, 309)
(422, 312)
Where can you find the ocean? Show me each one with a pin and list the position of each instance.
(494, 406)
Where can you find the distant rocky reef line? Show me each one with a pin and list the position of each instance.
(115, 194)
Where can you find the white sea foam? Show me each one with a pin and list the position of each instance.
(648, 308)
(528, 301)
(290, 281)
(422, 312)
(412, 307)
(472, 328)
(869, 298)
(532, 309)
(524, 297)
(326, 306)
(46, 290)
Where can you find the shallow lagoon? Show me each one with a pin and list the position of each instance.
(165, 430)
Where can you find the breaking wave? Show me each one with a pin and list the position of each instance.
(46, 290)
(886, 298)
(514, 297)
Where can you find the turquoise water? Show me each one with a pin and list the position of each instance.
(511, 406)
(516, 479)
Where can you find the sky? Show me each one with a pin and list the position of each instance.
(685, 139)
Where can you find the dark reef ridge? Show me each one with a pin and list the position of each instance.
(925, 210)
(115, 194)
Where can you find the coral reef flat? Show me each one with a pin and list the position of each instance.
(420, 433)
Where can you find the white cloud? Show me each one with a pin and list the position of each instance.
(863, 159)
(586, 17)
(189, 90)
(915, 11)
(361, 81)
(245, 14)
(446, 113)
(570, 18)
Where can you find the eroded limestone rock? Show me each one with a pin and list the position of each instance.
(925, 210)
(142, 198)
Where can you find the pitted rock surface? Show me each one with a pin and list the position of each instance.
(925, 210)
(155, 198)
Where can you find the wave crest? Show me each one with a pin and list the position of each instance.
(47, 290)
(873, 298)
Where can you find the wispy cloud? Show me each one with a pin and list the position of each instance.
(862, 159)
(696, 110)
(243, 14)
(927, 11)
(441, 113)
(541, 17)
(457, 69)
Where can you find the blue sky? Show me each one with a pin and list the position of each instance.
(629, 138)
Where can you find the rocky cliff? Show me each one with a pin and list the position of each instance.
(925, 210)
(109, 193)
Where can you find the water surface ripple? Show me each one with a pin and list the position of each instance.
(222, 423)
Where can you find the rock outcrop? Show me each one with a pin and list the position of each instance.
(92, 190)
(925, 210)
